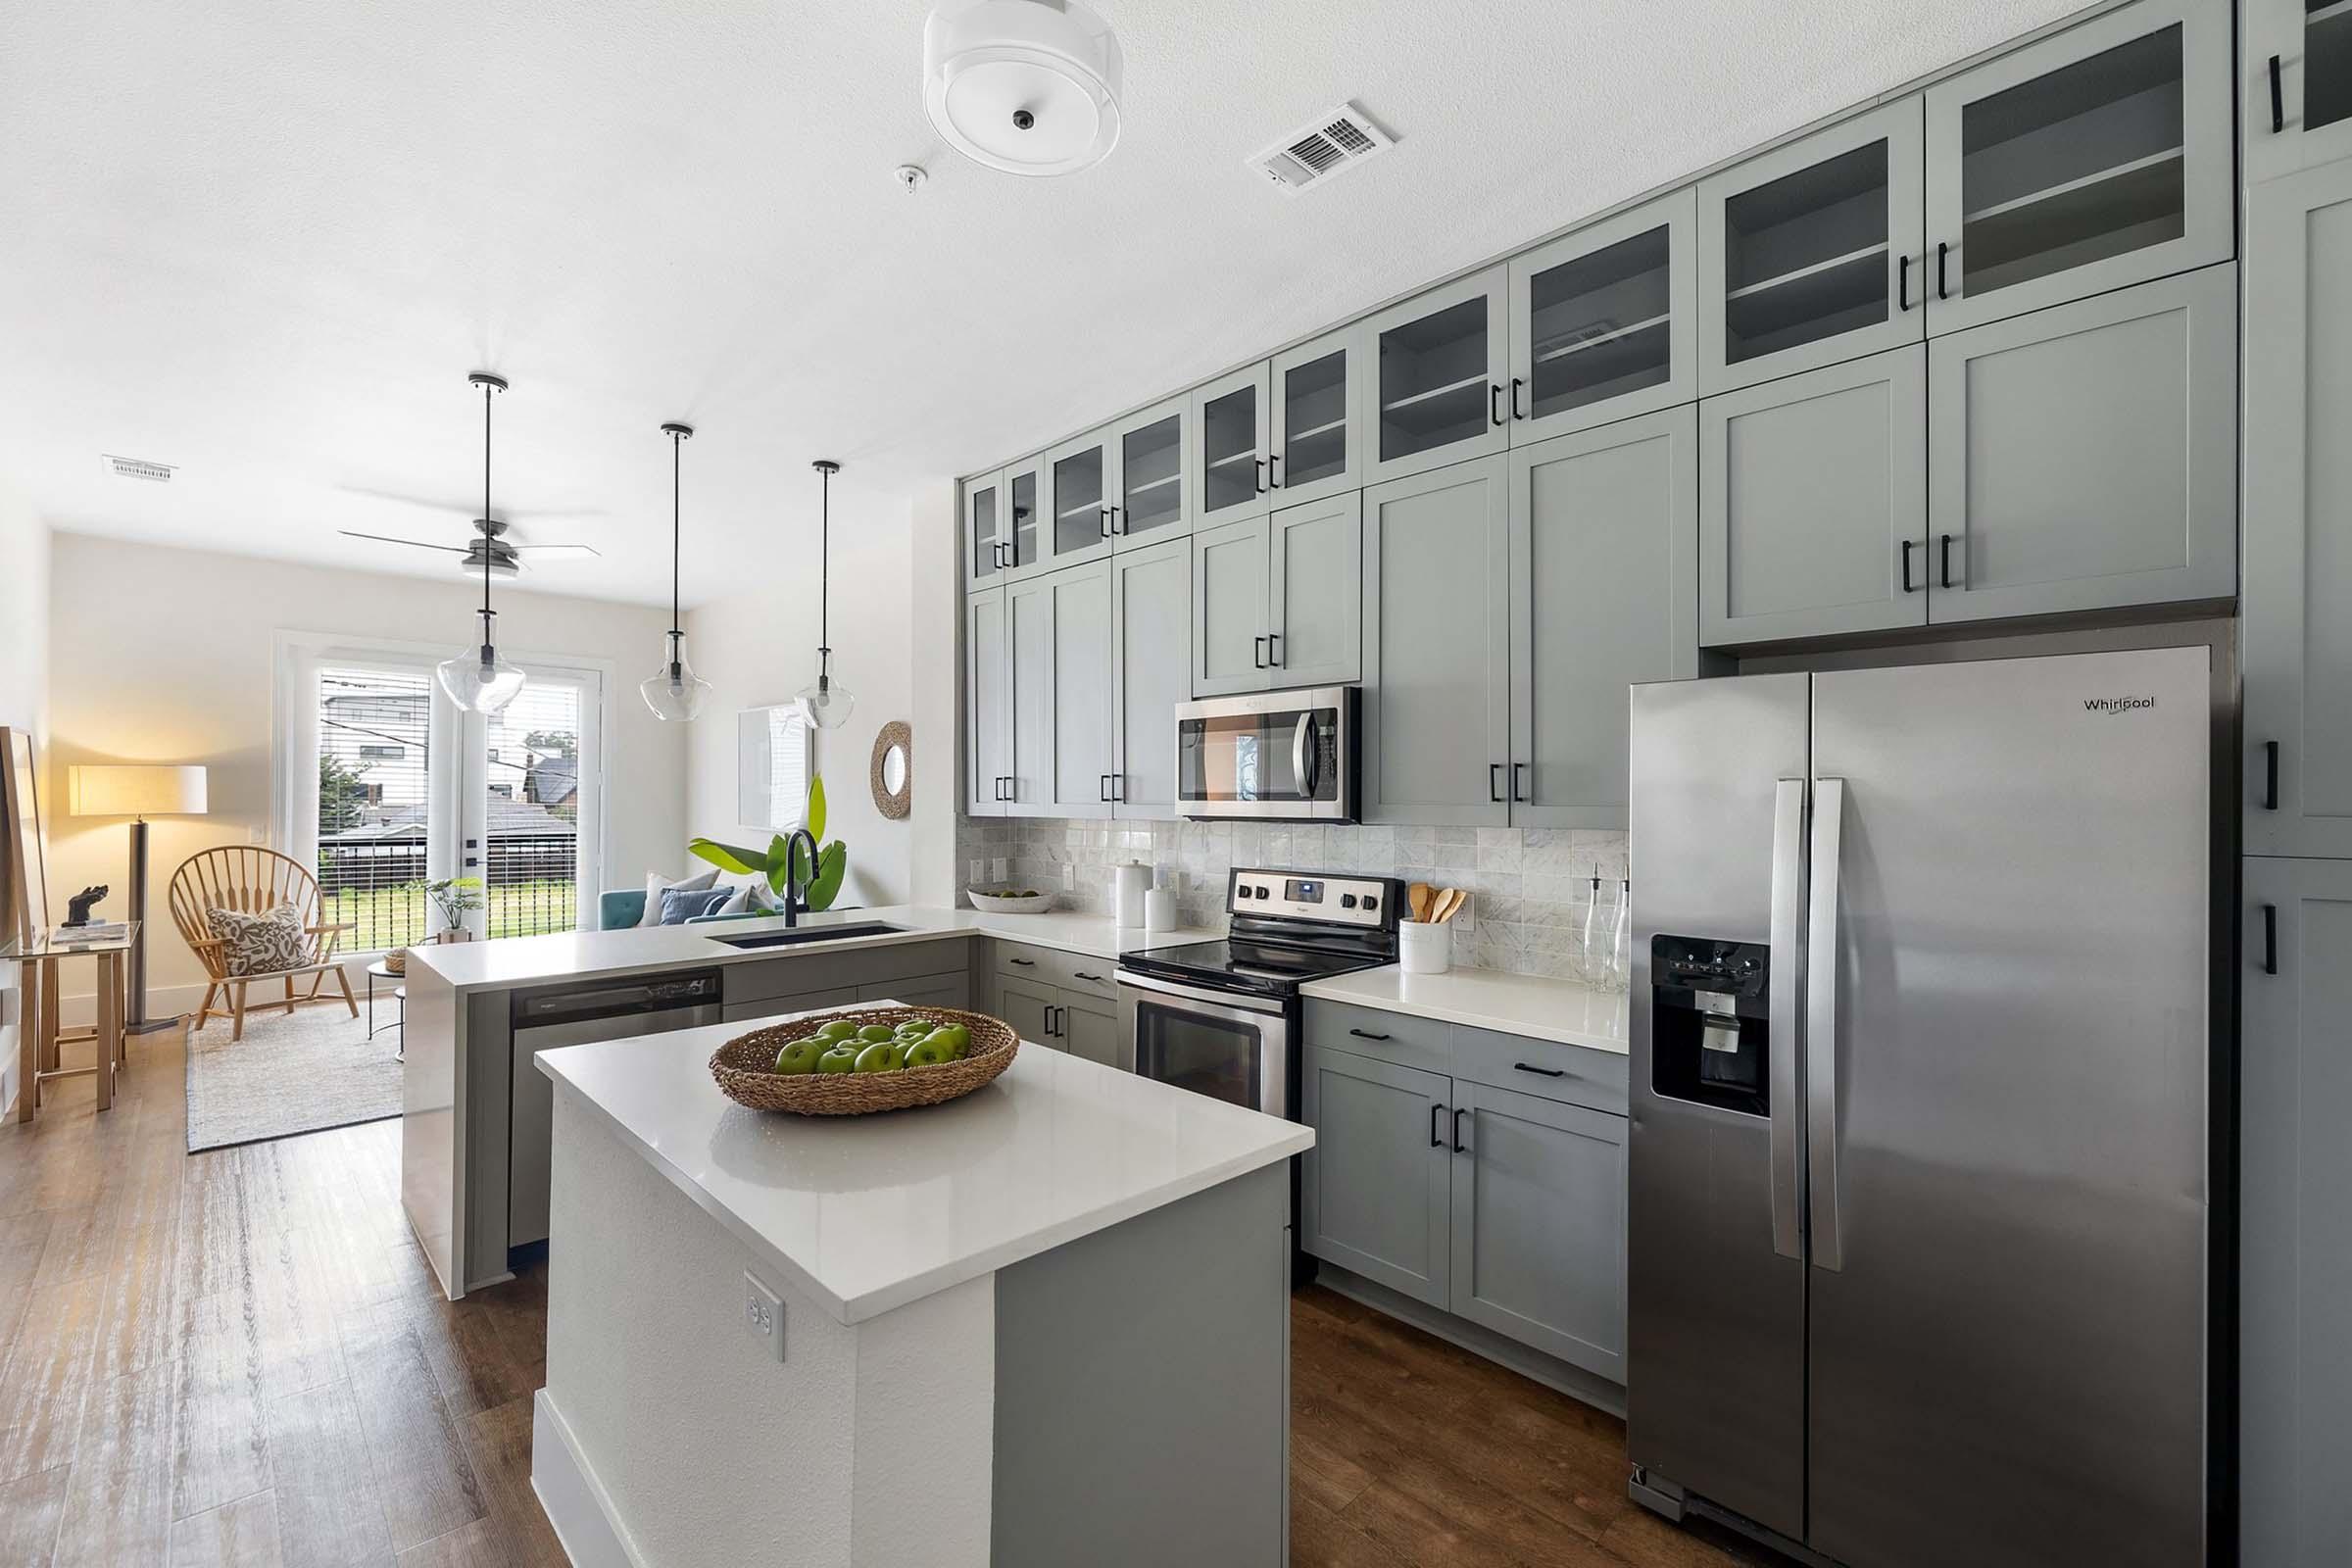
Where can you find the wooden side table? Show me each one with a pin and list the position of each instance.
(40, 1041)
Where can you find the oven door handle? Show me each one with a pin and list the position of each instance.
(1226, 1003)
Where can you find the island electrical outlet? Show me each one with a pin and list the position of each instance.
(763, 1314)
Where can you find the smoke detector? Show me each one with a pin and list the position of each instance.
(1022, 86)
(1330, 146)
(138, 469)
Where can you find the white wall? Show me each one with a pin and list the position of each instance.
(24, 699)
(168, 656)
(937, 641)
(759, 647)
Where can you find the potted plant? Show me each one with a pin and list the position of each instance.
(455, 898)
(823, 884)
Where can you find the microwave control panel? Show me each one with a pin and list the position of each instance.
(1353, 901)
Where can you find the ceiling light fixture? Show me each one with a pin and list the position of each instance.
(481, 682)
(1023, 86)
(675, 691)
(827, 703)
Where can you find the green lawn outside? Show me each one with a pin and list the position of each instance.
(400, 917)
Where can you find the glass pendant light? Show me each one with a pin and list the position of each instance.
(481, 681)
(675, 691)
(828, 703)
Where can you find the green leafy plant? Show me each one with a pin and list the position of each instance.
(456, 897)
(785, 865)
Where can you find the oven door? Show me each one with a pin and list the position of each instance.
(1230, 1047)
(1272, 755)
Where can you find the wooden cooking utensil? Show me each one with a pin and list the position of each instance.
(1420, 897)
(1453, 899)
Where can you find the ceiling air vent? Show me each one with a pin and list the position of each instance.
(1334, 144)
(139, 468)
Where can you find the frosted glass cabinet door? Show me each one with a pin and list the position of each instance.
(1318, 429)
(1440, 360)
(2295, 84)
(1812, 503)
(1152, 629)
(1229, 459)
(1604, 322)
(1082, 486)
(2085, 456)
(2295, 625)
(1811, 254)
(987, 714)
(1153, 499)
(984, 531)
(1024, 529)
(2097, 158)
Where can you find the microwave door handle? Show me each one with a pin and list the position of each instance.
(1303, 761)
(1821, 1026)
(1787, 935)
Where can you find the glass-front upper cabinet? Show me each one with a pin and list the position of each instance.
(1438, 387)
(983, 528)
(1154, 497)
(1022, 497)
(1081, 480)
(2296, 86)
(1232, 466)
(1317, 436)
(2097, 158)
(1604, 321)
(1811, 254)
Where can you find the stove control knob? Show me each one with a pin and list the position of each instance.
(1347, 901)
(1371, 901)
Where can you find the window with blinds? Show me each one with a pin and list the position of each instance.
(531, 861)
(374, 773)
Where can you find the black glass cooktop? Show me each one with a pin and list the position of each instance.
(1255, 966)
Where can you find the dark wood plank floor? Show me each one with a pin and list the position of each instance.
(240, 1357)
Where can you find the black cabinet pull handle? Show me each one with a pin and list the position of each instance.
(2270, 775)
(1274, 650)
(2269, 939)
(1361, 1035)
(1082, 975)
(1274, 470)
(1457, 1129)
(1257, 652)
(2277, 100)
(1105, 511)
(1942, 253)
(1437, 1138)
(1494, 400)
(1260, 465)
(1026, 964)
(1495, 782)
(1902, 282)
(1103, 787)
(1907, 543)
(1946, 570)
(1054, 1022)
(1119, 787)
(1542, 1073)
(1518, 785)
(1516, 411)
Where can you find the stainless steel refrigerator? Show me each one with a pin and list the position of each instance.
(1919, 1167)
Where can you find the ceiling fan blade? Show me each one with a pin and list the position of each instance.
(568, 549)
(387, 539)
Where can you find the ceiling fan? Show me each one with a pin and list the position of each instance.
(492, 551)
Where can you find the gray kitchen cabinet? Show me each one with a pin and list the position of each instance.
(1153, 499)
(1374, 1194)
(1028, 696)
(1229, 566)
(2294, 1248)
(794, 1001)
(1081, 486)
(2295, 612)
(1229, 457)
(2294, 86)
(984, 531)
(2094, 159)
(1603, 530)
(1028, 1007)
(1058, 1018)
(1604, 321)
(1437, 647)
(1087, 1027)
(1150, 638)
(1439, 364)
(1316, 395)
(1538, 1224)
(986, 704)
(1812, 502)
(2085, 456)
(1811, 254)
(1024, 503)
(950, 989)
(1314, 592)
(1078, 691)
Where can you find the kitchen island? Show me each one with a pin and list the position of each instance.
(1043, 1324)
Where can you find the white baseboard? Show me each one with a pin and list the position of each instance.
(587, 1527)
(80, 1009)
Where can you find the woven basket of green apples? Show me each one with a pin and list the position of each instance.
(863, 1060)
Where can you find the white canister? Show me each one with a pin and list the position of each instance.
(1424, 947)
(1159, 909)
(1129, 883)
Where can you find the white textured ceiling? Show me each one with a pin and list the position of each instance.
(267, 241)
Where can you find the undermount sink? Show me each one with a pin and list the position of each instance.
(799, 934)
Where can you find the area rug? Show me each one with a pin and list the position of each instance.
(292, 1073)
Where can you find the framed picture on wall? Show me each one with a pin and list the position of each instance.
(24, 873)
(775, 756)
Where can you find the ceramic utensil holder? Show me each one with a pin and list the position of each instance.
(1424, 947)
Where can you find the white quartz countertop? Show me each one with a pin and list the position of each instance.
(867, 1213)
(1487, 998)
(582, 955)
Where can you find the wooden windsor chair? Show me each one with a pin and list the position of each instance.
(252, 880)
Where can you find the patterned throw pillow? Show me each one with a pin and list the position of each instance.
(260, 943)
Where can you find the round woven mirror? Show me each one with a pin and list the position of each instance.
(893, 771)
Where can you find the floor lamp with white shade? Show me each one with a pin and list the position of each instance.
(137, 791)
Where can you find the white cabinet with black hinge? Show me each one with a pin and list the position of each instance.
(1604, 321)
(1277, 599)
(1028, 698)
(1151, 637)
(2295, 625)
(2295, 86)
(1440, 362)
(987, 705)
(1077, 696)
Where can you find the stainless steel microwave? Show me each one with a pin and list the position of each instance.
(1270, 756)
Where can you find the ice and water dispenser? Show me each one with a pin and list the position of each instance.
(1709, 1030)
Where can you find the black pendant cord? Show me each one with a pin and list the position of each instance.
(488, 541)
(824, 571)
(675, 442)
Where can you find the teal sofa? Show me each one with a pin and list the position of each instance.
(619, 908)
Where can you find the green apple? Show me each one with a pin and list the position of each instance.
(929, 1053)
(840, 1058)
(802, 1055)
(914, 1028)
(959, 1039)
(837, 1029)
(875, 1031)
(883, 1055)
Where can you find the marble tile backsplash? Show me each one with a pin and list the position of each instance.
(1528, 887)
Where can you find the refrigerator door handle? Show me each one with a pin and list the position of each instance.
(1787, 944)
(1821, 1026)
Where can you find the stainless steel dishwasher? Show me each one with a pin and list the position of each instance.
(578, 1015)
